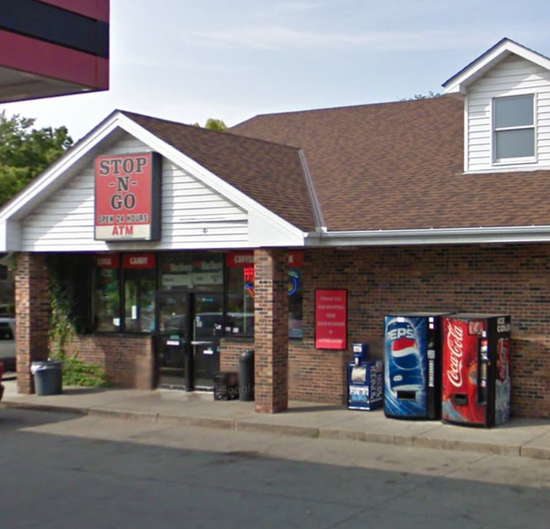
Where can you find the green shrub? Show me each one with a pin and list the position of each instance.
(62, 331)
(79, 373)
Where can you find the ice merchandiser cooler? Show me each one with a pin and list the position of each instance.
(412, 361)
(476, 369)
(365, 386)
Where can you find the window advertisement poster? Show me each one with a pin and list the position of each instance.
(127, 197)
(331, 319)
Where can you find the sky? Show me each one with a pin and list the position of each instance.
(190, 60)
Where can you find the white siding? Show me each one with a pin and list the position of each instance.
(193, 215)
(513, 76)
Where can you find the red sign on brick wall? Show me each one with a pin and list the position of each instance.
(331, 319)
(127, 197)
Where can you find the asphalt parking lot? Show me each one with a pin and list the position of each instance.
(68, 471)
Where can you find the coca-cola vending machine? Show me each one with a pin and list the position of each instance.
(476, 369)
(412, 359)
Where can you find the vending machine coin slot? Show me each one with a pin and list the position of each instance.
(460, 400)
(406, 395)
(431, 366)
(483, 369)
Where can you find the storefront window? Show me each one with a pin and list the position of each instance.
(240, 301)
(295, 302)
(139, 300)
(240, 294)
(133, 309)
(125, 288)
(196, 271)
(107, 295)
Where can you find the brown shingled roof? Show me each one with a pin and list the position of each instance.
(400, 166)
(270, 174)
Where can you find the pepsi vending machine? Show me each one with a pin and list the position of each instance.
(412, 358)
(476, 369)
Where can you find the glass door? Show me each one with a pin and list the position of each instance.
(207, 330)
(173, 340)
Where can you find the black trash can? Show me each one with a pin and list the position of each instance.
(246, 376)
(48, 377)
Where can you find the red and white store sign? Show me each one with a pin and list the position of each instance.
(331, 319)
(127, 197)
(246, 259)
(138, 260)
(107, 260)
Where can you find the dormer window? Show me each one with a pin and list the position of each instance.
(514, 129)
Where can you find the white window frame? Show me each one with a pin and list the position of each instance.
(522, 159)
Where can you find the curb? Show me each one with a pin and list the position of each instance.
(531, 452)
(469, 446)
(366, 437)
(282, 429)
(43, 407)
(122, 414)
(534, 452)
(206, 422)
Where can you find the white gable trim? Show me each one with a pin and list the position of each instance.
(27, 199)
(458, 84)
(270, 229)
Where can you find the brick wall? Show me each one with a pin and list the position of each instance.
(128, 360)
(231, 350)
(32, 313)
(316, 375)
(271, 330)
(511, 280)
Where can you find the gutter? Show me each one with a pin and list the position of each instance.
(481, 235)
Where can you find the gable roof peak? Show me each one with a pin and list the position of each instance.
(459, 83)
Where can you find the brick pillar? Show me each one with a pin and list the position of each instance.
(32, 309)
(271, 330)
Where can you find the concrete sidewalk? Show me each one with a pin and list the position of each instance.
(521, 437)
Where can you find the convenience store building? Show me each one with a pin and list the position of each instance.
(294, 234)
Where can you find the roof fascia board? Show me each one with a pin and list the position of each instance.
(10, 235)
(459, 83)
(207, 177)
(520, 234)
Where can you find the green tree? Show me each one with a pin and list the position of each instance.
(430, 95)
(25, 152)
(213, 124)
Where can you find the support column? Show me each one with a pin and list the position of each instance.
(271, 330)
(32, 311)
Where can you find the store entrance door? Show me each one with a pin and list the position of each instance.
(189, 330)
